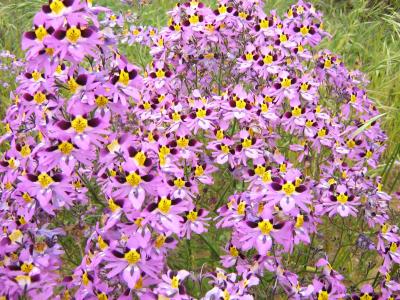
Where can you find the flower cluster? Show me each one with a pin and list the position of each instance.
(236, 104)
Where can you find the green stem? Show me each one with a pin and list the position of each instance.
(212, 248)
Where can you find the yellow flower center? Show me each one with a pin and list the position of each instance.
(66, 148)
(393, 247)
(79, 124)
(113, 146)
(140, 158)
(182, 142)
(342, 198)
(220, 134)
(146, 105)
(192, 216)
(179, 183)
(133, 179)
(201, 113)
(327, 64)
(177, 27)
(300, 9)
(243, 15)
(304, 30)
(176, 117)
(85, 279)
(26, 267)
(268, 59)
(227, 295)
(72, 85)
(222, 9)
(8, 129)
(36, 75)
(322, 132)
(26, 197)
(241, 208)
(45, 180)
(264, 24)
(101, 243)
(123, 77)
(40, 32)
(225, 149)
(23, 279)
(283, 38)
(385, 228)
(160, 240)
(266, 176)
(164, 150)
(296, 111)
(323, 295)
(240, 103)
(101, 101)
(39, 97)
(249, 56)
(351, 144)
(25, 151)
(288, 188)
(175, 282)
(265, 227)
(233, 251)
(194, 19)
(73, 34)
(366, 297)
(247, 143)
(199, 171)
(132, 257)
(160, 73)
(309, 123)
(57, 6)
(102, 296)
(15, 235)
(286, 82)
(112, 205)
(299, 221)
(164, 205)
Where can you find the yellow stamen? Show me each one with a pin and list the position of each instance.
(175, 282)
(233, 251)
(265, 226)
(73, 34)
(123, 77)
(199, 171)
(288, 188)
(132, 257)
(57, 6)
(164, 205)
(201, 113)
(133, 179)
(40, 33)
(66, 148)
(45, 180)
(192, 216)
(140, 158)
(296, 111)
(342, 198)
(101, 101)
(79, 124)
